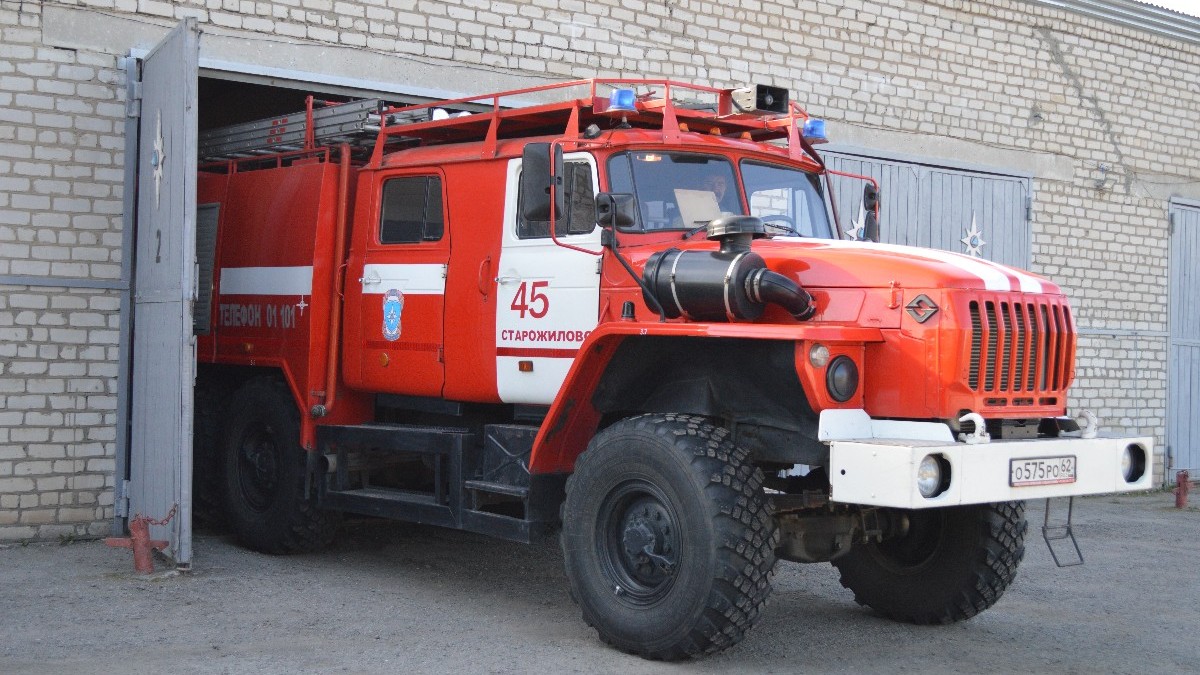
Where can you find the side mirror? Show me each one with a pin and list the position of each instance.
(871, 206)
(537, 173)
(615, 209)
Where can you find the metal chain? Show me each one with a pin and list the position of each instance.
(164, 521)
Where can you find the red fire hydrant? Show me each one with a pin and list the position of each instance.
(139, 540)
(1181, 489)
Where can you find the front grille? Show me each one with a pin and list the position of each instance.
(1020, 346)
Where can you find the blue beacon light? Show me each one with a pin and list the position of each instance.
(814, 130)
(623, 100)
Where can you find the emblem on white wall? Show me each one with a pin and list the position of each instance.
(973, 243)
(158, 158)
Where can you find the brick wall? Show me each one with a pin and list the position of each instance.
(1006, 75)
(58, 367)
(61, 154)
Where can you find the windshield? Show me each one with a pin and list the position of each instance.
(786, 199)
(676, 190)
(683, 191)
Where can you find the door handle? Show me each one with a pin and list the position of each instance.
(369, 279)
(507, 279)
(485, 271)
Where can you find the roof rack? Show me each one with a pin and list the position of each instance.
(673, 107)
(562, 109)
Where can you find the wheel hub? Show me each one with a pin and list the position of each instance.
(637, 537)
(647, 542)
(263, 461)
(258, 469)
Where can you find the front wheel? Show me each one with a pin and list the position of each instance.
(950, 564)
(667, 540)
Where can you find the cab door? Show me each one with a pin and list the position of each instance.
(402, 274)
(548, 296)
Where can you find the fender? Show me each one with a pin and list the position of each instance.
(573, 420)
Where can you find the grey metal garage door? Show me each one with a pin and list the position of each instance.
(160, 428)
(977, 213)
(1183, 367)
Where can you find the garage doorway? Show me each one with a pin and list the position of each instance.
(174, 97)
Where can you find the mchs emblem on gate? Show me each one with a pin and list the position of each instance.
(393, 306)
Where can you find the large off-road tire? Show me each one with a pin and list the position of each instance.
(952, 563)
(678, 485)
(264, 474)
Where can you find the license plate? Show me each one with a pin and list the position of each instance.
(1041, 471)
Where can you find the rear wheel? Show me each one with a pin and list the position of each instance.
(951, 563)
(264, 474)
(668, 544)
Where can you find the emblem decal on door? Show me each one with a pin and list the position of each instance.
(159, 158)
(393, 307)
(973, 241)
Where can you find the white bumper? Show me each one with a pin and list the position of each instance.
(883, 471)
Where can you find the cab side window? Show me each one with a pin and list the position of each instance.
(580, 217)
(411, 210)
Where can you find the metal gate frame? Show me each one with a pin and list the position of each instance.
(1174, 208)
(154, 451)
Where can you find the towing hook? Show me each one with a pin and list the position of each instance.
(1182, 487)
(980, 435)
(1088, 426)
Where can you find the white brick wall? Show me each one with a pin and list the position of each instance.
(57, 411)
(1005, 74)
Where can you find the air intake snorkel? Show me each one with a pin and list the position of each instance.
(731, 284)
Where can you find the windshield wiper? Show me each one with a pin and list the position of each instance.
(690, 233)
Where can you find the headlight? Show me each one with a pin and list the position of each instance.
(929, 476)
(841, 378)
(818, 355)
(1133, 463)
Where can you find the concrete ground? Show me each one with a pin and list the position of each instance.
(395, 598)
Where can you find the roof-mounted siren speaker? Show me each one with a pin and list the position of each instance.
(760, 100)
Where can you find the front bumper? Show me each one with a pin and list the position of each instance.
(883, 471)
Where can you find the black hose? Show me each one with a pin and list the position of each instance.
(763, 286)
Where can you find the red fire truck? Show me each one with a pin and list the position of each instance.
(620, 310)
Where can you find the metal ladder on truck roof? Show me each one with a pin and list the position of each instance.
(355, 122)
(373, 126)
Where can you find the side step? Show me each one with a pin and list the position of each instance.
(442, 446)
(415, 507)
(498, 473)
